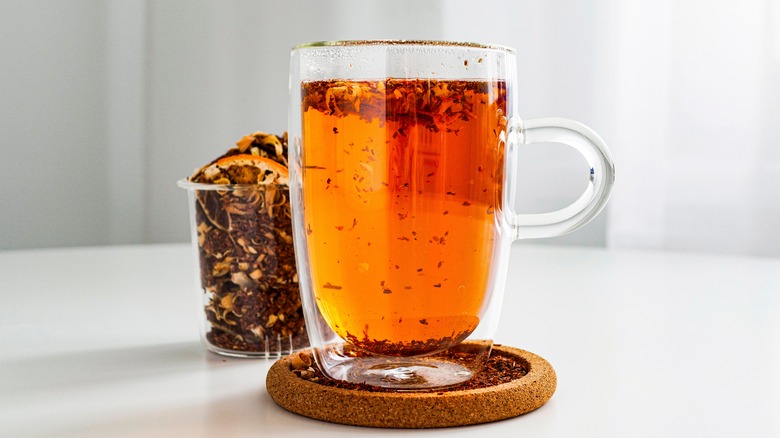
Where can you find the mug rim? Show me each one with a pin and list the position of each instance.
(388, 42)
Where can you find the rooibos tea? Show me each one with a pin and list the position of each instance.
(401, 266)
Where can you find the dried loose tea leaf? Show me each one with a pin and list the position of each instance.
(499, 369)
(435, 104)
(331, 286)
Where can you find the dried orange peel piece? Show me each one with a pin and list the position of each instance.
(257, 158)
(244, 169)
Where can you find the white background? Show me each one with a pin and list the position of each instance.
(104, 105)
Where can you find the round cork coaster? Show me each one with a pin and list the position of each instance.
(362, 407)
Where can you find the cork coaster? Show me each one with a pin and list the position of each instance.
(361, 407)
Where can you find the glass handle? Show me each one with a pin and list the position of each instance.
(600, 180)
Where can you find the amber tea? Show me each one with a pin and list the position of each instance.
(402, 179)
(401, 182)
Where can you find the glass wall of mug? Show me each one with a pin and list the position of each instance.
(399, 182)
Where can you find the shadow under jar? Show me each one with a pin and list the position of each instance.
(250, 302)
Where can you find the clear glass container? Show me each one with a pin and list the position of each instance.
(249, 302)
(403, 162)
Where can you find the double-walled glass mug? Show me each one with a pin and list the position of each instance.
(402, 172)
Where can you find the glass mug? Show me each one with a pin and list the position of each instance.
(402, 172)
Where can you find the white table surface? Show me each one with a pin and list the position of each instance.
(103, 342)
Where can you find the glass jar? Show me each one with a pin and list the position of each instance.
(250, 304)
